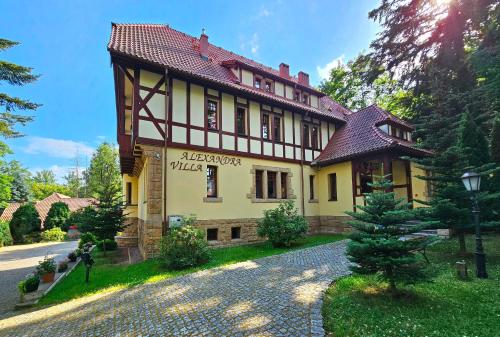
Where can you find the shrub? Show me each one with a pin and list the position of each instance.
(46, 266)
(83, 219)
(32, 237)
(110, 244)
(282, 225)
(86, 238)
(72, 257)
(24, 221)
(54, 234)
(5, 237)
(57, 216)
(62, 267)
(78, 252)
(184, 247)
(29, 284)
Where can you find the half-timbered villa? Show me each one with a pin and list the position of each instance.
(204, 131)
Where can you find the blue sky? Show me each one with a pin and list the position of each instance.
(65, 42)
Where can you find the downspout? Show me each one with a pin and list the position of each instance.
(165, 162)
(302, 165)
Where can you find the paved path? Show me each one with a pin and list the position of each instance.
(18, 261)
(274, 296)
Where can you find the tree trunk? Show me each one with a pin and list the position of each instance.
(461, 242)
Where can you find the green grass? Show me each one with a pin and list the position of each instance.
(107, 276)
(446, 307)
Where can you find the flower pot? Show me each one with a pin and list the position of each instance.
(48, 277)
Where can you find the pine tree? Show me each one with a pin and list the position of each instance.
(57, 216)
(104, 158)
(381, 245)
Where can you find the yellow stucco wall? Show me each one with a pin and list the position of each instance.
(344, 189)
(419, 186)
(131, 210)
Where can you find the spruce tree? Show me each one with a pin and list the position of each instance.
(382, 245)
(57, 216)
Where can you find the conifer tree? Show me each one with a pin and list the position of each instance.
(381, 244)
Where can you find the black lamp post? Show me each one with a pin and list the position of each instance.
(472, 182)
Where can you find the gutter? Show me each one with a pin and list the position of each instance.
(165, 162)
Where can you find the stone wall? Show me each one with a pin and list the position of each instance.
(248, 230)
(129, 236)
(334, 224)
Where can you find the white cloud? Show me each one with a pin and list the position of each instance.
(324, 72)
(57, 148)
(252, 44)
(264, 13)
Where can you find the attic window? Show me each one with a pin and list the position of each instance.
(257, 82)
(269, 86)
(305, 99)
(296, 95)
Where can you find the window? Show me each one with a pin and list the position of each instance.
(257, 82)
(284, 190)
(277, 129)
(305, 134)
(212, 181)
(265, 126)
(235, 233)
(271, 185)
(305, 99)
(296, 95)
(241, 114)
(129, 193)
(258, 184)
(269, 86)
(212, 115)
(365, 180)
(314, 137)
(212, 234)
(332, 184)
(311, 187)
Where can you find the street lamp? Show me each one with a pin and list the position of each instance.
(472, 183)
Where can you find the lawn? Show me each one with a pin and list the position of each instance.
(358, 306)
(107, 276)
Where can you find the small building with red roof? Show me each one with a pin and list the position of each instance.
(202, 130)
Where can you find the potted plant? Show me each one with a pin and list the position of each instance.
(62, 266)
(72, 257)
(28, 285)
(47, 269)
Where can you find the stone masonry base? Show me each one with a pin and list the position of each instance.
(222, 230)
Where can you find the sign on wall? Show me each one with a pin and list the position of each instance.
(190, 161)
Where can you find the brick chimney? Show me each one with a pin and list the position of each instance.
(303, 78)
(204, 44)
(284, 70)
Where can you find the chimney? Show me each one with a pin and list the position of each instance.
(204, 45)
(284, 70)
(303, 78)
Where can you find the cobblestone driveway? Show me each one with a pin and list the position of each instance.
(273, 296)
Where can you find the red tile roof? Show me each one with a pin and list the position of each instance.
(361, 135)
(167, 47)
(43, 206)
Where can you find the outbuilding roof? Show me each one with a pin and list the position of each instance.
(361, 135)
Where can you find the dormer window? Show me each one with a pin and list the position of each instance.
(305, 99)
(257, 82)
(269, 86)
(296, 95)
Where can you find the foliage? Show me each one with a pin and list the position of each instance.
(20, 191)
(40, 190)
(75, 183)
(82, 218)
(53, 234)
(282, 225)
(45, 177)
(85, 238)
(24, 221)
(46, 266)
(376, 246)
(62, 266)
(57, 216)
(72, 257)
(104, 170)
(184, 247)
(348, 86)
(15, 75)
(358, 305)
(107, 244)
(5, 236)
(29, 284)
(119, 276)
